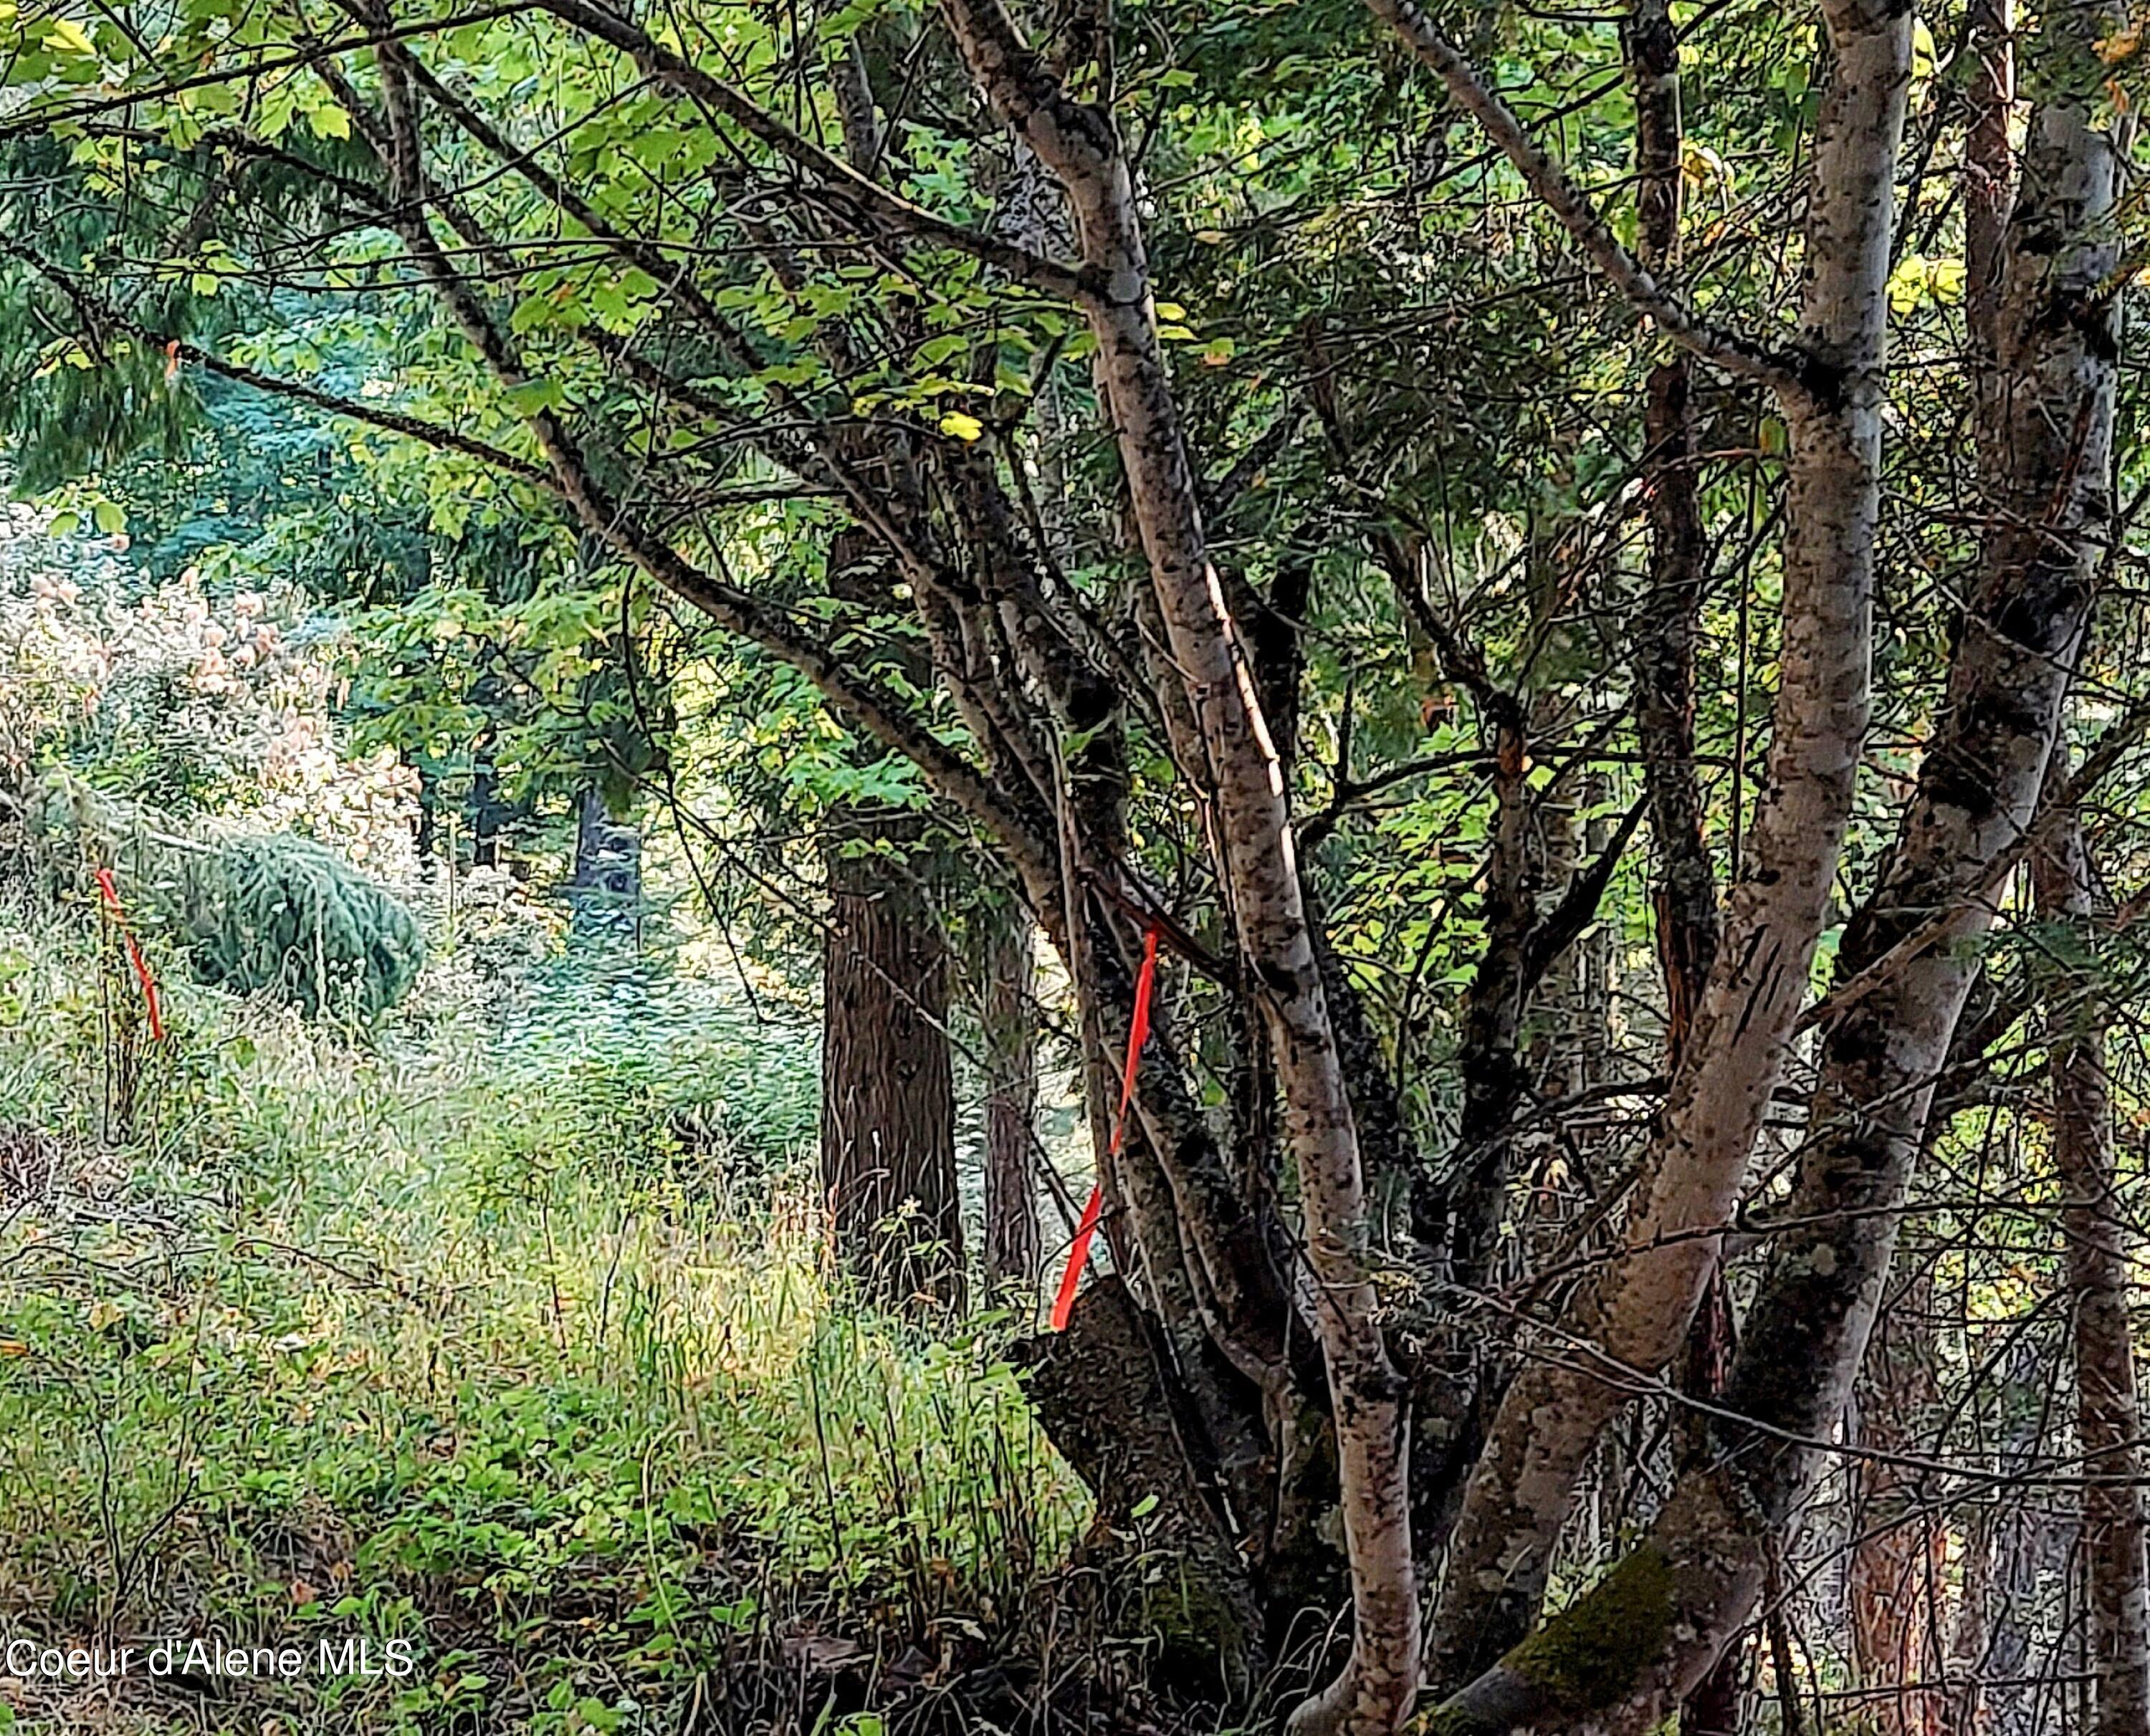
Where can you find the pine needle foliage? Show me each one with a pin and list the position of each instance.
(270, 914)
(289, 917)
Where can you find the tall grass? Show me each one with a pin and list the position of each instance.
(525, 1350)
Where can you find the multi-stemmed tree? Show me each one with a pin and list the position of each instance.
(1267, 494)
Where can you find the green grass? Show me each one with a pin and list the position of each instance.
(523, 1351)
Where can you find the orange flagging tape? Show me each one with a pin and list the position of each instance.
(1078, 1255)
(110, 888)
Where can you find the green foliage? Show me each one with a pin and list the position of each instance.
(306, 1369)
(626, 1067)
(291, 916)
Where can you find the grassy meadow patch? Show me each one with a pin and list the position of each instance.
(522, 1352)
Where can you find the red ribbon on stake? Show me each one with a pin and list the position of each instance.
(110, 888)
(1078, 1255)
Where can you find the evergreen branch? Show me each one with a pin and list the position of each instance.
(97, 320)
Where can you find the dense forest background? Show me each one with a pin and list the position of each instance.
(1138, 867)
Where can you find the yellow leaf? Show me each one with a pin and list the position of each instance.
(963, 427)
(1700, 166)
(63, 36)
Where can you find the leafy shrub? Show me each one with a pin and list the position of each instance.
(204, 709)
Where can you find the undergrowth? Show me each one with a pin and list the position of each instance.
(519, 1348)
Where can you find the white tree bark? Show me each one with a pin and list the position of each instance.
(1623, 1655)
(1251, 825)
(1638, 1317)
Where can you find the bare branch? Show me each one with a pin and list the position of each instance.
(676, 74)
(1734, 352)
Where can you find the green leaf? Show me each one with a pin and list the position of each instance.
(536, 395)
(329, 121)
(111, 518)
(66, 524)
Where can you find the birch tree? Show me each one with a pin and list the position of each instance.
(1330, 646)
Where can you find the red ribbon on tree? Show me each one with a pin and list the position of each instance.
(1078, 1255)
(110, 888)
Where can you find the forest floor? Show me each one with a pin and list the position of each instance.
(516, 1350)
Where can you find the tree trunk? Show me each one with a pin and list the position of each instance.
(607, 872)
(888, 1098)
(1989, 177)
(1639, 1313)
(2108, 1418)
(1010, 1019)
(1896, 1559)
(1904, 970)
(1256, 859)
(1712, 1707)
(1989, 188)
(1684, 895)
(1896, 1580)
(488, 811)
(1963, 1708)
(1124, 1430)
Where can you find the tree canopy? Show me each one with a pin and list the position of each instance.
(1572, 567)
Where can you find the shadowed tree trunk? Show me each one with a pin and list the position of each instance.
(888, 1095)
(1012, 1248)
(2108, 1417)
(1895, 1575)
(1895, 1581)
(488, 811)
(1683, 898)
(1963, 1708)
(607, 872)
(888, 1108)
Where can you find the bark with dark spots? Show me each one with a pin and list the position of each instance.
(1637, 1314)
(2045, 455)
(1012, 1246)
(1683, 888)
(1254, 855)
